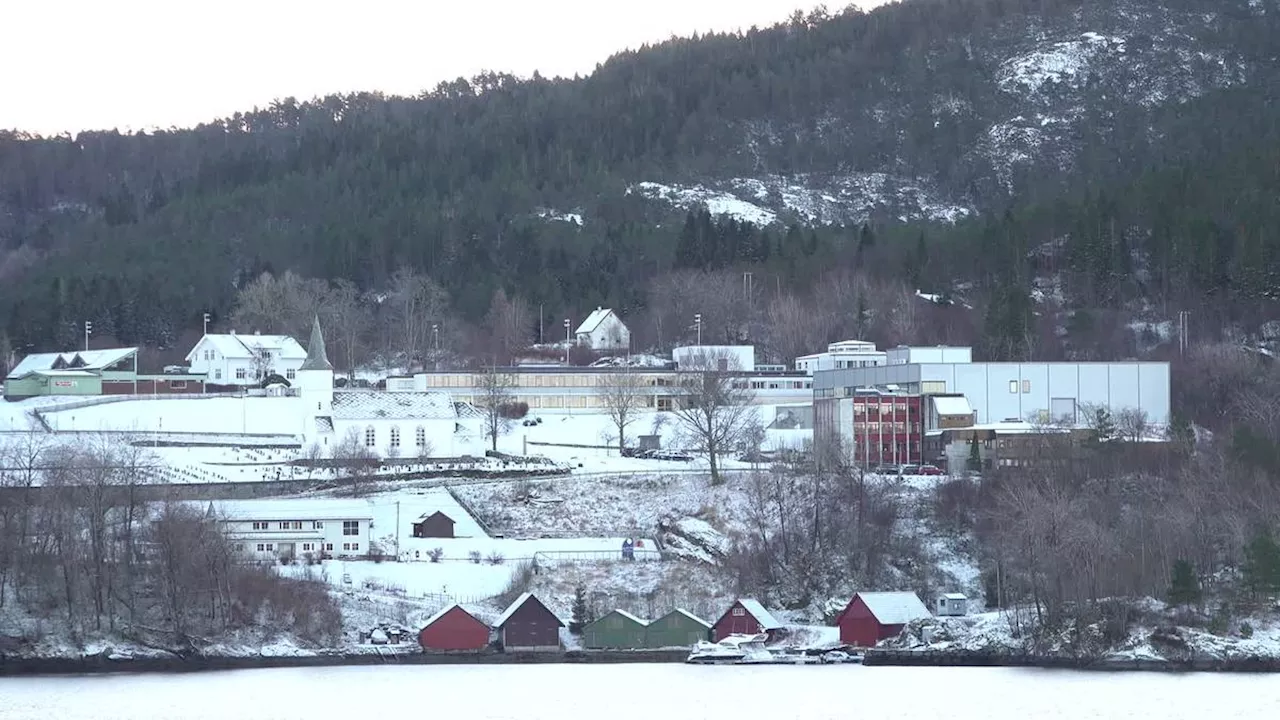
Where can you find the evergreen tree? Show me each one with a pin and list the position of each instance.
(581, 611)
(1184, 586)
(975, 455)
(1101, 425)
(1262, 563)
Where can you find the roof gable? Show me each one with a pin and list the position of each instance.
(755, 610)
(593, 320)
(891, 608)
(445, 611)
(242, 347)
(519, 603)
(428, 516)
(622, 614)
(685, 614)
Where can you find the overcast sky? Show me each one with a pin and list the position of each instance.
(134, 64)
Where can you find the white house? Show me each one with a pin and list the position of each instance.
(390, 424)
(843, 354)
(604, 330)
(271, 529)
(235, 359)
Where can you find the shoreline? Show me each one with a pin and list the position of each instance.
(916, 658)
(105, 664)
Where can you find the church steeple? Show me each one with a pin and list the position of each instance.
(317, 358)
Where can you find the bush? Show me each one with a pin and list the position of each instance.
(286, 559)
(474, 555)
(496, 558)
(1246, 630)
(435, 554)
(513, 410)
(375, 553)
(309, 558)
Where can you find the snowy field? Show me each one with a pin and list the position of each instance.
(587, 692)
(250, 416)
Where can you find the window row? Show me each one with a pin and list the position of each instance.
(287, 524)
(419, 436)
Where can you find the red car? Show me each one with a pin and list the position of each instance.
(930, 470)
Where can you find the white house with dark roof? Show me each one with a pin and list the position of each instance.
(603, 330)
(235, 359)
(390, 424)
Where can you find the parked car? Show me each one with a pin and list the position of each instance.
(884, 470)
(909, 470)
(931, 470)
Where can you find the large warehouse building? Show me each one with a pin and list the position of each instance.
(884, 413)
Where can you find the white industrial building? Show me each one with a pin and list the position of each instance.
(235, 359)
(272, 529)
(843, 354)
(1005, 391)
(735, 358)
(603, 330)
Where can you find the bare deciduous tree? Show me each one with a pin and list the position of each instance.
(623, 397)
(713, 407)
(494, 401)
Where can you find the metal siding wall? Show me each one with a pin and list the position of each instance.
(1064, 380)
(1036, 401)
(974, 381)
(1123, 387)
(1153, 387)
(1094, 386)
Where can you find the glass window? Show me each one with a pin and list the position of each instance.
(350, 527)
(240, 373)
(290, 374)
(1013, 386)
(370, 436)
(395, 436)
(1026, 386)
(420, 437)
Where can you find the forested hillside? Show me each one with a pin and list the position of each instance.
(1061, 170)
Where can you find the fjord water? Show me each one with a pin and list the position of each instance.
(643, 692)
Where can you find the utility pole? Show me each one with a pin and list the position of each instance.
(1183, 327)
(540, 339)
(88, 330)
(206, 323)
(566, 341)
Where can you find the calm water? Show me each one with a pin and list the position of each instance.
(643, 692)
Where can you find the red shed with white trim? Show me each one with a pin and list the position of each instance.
(453, 629)
(745, 617)
(872, 617)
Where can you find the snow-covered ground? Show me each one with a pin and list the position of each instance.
(1155, 636)
(215, 415)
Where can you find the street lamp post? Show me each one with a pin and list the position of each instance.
(566, 341)
(435, 340)
(697, 323)
(88, 330)
(206, 323)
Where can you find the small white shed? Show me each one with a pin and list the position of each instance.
(952, 605)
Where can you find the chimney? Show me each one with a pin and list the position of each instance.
(233, 332)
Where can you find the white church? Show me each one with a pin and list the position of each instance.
(391, 425)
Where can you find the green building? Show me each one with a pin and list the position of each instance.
(617, 630)
(676, 629)
(91, 372)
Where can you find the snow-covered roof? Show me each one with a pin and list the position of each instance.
(444, 611)
(467, 410)
(952, 405)
(317, 356)
(894, 608)
(62, 373)
(294, 509)
(689, 615)
(375, 405)
(324, 424)
(593, 320)
(630, 617)
(762, 616)
(433, 513)
(954, 596)
(237, 346)
(83, 360)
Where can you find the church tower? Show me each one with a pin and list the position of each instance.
(315, 388)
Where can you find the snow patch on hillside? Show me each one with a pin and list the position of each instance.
(720, 204)
(549, 214)
(813, 199)
(1063, 62)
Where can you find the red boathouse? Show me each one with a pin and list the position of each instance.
(453, 629)
(872, 617)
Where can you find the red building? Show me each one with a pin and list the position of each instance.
(434, 525)
(745, 617)
(453, 629)
(872, 617)
(528, 626)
